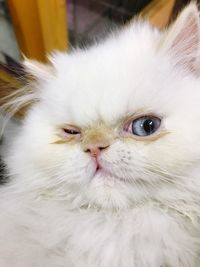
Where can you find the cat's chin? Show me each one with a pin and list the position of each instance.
(107, 192)
(105, 175)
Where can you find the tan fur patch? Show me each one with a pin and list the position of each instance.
(64, 141)
(100, 135)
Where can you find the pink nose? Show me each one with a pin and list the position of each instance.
(95, 150)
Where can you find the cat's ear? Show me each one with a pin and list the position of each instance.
(37, 70)
(18, 93)
(182, 39)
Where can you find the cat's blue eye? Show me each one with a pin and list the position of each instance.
(144, 126)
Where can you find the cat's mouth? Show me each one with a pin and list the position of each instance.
(103, 172)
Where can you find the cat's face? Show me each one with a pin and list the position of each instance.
(114, 123)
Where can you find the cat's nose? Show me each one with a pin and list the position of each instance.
(95, 149)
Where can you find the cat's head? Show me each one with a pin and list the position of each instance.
(114, 123)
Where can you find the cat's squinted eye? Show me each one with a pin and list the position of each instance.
(70, 132)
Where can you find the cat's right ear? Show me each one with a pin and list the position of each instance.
(182, 39)
(19, 92)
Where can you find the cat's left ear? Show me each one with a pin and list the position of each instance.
(38, 70)
(182, 39)
(18, 93)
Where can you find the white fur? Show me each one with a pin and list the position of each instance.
(54, 212)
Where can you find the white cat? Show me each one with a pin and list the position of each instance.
(105, 171)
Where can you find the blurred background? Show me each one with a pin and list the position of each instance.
(35, 28)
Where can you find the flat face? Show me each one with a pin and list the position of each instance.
(114, 124)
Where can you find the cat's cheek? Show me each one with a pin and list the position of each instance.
(58, 159)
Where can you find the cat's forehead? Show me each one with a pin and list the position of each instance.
(107, 81)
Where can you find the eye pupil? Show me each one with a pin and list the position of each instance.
(148, 126)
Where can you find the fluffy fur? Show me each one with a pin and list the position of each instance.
(56, 210)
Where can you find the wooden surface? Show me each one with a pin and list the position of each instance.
(53, 21)
(40, 26)
(159, 12)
